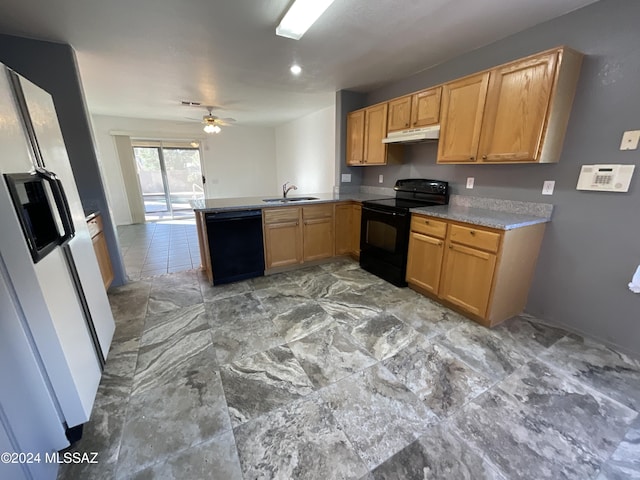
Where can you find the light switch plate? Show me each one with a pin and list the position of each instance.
(630, 140)
(470, 181)
(380, 178)
(346, 177)
(548, 186)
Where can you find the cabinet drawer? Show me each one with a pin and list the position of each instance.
(475, 237)
(95, 226)
(428, 226)
(281, 215)
(317, 211)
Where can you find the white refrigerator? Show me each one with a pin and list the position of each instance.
(55, 311)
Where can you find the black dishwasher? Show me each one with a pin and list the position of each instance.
(235, 245)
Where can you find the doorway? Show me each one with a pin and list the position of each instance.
(170, 175)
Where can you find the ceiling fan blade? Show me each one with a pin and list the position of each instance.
(228, 119)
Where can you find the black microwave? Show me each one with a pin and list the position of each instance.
(42, 209)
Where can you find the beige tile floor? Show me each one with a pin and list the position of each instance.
(156, 248)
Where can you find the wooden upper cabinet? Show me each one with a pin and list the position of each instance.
(514, 113)
(365, 130)
(355, 138)
(399, 114)
(420, 109)
(518, 101)
(375, 128)
(461, 118)
(425, 107)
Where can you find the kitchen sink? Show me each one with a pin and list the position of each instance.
(287, 200)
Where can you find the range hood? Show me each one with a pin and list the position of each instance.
(414, 135)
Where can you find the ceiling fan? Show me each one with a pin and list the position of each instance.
(213, 123)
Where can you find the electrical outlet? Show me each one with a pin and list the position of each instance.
(380, 178)
(470, 181)
(630, 140)
(547, 187)
(346, 177)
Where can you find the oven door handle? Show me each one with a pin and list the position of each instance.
(384, 212)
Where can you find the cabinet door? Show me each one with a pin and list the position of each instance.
(283, 244)
(467, 277)
(344, 225)
(104, 261)
(425, 107)
(355, 138)
(517, 105)
(318, 239)
(356, 214)
(375, 126)
(399, 114)
(461, 118)
(424, 263)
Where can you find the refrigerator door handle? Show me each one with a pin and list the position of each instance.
(62, 204)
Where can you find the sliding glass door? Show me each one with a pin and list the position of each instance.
(170, 177)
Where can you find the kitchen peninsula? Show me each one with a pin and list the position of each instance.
(475, 255)
(299, 230)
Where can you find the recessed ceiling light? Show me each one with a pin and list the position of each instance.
(296, 69)
(301, 15)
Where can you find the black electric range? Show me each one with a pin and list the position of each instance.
(384, 234)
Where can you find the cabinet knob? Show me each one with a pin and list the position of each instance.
(484, 157)
(472, 232)
(439, 244)
(450, 246)
(472, 158)
(406, 124)
(427, 222)
(297, 223)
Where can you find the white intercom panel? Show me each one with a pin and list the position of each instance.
(605, 178)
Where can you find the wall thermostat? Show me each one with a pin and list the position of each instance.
(605, 178)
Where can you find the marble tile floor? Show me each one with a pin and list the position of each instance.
(331, 373)
(156, 248)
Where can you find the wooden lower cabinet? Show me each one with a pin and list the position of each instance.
(347, 228)
(282, 237)
(296, 235)
(203, 243)
(467, 278)
(101, 250)
(482, 272)
(424, 263)
(356, 217)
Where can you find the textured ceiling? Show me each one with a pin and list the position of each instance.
(140, 58)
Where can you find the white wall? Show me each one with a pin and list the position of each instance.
(305, 152)
(239, 161)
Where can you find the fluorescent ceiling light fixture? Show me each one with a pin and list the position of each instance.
(301, 15)
(296, 69)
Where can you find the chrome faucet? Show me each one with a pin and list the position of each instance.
(286, 189)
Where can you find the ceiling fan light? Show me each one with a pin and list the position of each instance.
(216, 129)
(301, 15)
(211, 128)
